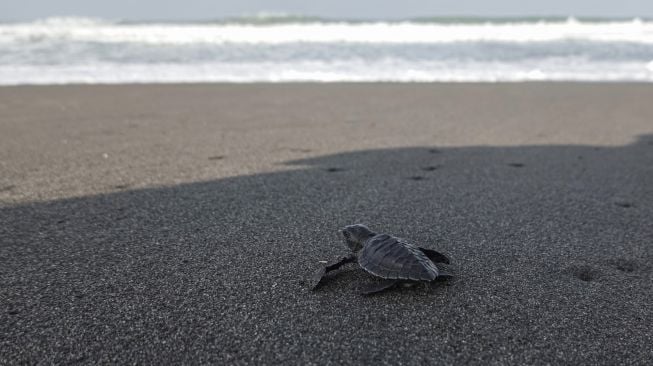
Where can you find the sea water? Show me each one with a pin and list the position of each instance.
(292, 49)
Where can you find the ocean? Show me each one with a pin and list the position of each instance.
(298, 49)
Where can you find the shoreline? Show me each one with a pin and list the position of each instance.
(343, 83)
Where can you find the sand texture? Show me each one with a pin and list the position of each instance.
(178, 223)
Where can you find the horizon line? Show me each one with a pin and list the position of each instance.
(288, 17)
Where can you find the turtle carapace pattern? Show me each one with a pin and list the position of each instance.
(388, 257)
(391, 259)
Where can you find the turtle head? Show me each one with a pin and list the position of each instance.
(355, 236)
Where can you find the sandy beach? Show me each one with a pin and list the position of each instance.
(179, 223)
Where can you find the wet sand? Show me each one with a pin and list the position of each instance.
(178, 223)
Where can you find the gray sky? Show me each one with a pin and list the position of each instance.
(210, 9)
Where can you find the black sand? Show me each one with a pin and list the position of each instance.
(197, 252)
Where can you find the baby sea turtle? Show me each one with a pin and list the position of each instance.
(390, 258)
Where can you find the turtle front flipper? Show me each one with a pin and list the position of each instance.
(317, 277)
(434, 256)
(377, 287)
(341, 262)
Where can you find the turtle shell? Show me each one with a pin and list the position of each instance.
(389, 257)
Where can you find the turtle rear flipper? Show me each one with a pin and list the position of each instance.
(317, 277)
(435, 256)
(377, 287)
(443, 276)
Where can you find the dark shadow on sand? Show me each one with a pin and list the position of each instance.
(552, 248)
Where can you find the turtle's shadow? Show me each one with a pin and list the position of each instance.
(354, 278)
(355, 284)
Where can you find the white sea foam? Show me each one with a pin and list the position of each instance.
(91, 30)
(318, 71)
(80, 50)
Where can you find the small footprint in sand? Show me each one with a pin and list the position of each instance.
(7, 188)
(624, 204)
(516, 165)
(431, 168)
(416, 177)
(334, 169)
(585, 273)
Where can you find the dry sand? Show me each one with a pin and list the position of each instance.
(177, 223)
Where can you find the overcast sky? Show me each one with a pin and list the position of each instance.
(210, 9)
